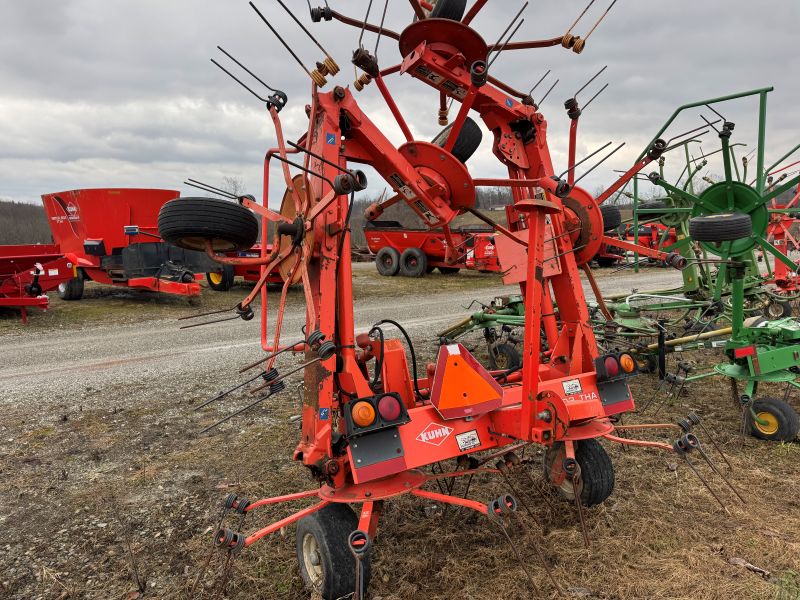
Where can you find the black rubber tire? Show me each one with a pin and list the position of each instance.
(71, 290)
(722, 227)
(413, 262)
(778, 310)
(612, 217)
(387, 261)
(189, 222)
(652, 204)
(604, 263)
(449, 270)
(469, 138)
(449, 9)
(597, 471)
(330, 528)
(509, 357)
(786, 419)
(228, 276)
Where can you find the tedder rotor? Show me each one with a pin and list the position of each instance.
(373, 419)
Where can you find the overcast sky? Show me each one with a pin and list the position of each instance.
(99, 93)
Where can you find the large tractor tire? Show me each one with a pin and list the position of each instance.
(387, 261)
(722, 227)
(190, 222)
(326, 564)
(413, 263)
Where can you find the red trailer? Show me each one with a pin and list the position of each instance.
(222, 277)
(414, 252)
(28, 271)
(111, 234)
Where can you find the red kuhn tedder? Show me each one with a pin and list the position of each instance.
(375, 421)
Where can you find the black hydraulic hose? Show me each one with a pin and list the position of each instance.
(379, 361)
(411, 348)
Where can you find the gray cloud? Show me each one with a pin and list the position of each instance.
(98, 93)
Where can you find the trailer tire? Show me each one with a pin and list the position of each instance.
(722, 227)
(71, 290)
(223, 281)
(783, 423)
(387, 261)
(449, 270)
(189, 222)
(323, 552)
(597, 471)
(449, 9)
(612, 217)
(469, 138)
(413, 262)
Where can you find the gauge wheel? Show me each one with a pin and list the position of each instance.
(71, 290)
(778, 309)
(597, 472)
(327, 565)
(221, 281)
(504, 357)
(777, 420)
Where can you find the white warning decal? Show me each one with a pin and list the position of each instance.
(468, 440)
(572, 387)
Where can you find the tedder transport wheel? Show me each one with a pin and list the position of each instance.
(612, 217)
(504, 357)
(326, 563)
(189, 222)
(597, 472)
(449, 9)
(387, 261)
(781, 423)
(413, 262)
(448, 270)
(778, 310)
(469, 138)
(72, 289)
(221, 282)
(722, 227)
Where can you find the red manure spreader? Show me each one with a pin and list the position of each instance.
(415, 252)
(111, 236)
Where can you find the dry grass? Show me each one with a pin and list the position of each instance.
(85, 493)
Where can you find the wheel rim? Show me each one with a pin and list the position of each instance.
(215, 278)
(775, 310)
(771, 423)
(62, 288)
(312, 561)
(501, 361)
(555, 458)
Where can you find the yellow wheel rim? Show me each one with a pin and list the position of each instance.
(771, 421)
(215, 278)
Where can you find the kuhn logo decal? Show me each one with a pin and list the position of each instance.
(434, 434)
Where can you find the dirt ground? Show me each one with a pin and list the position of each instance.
(110, 492)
